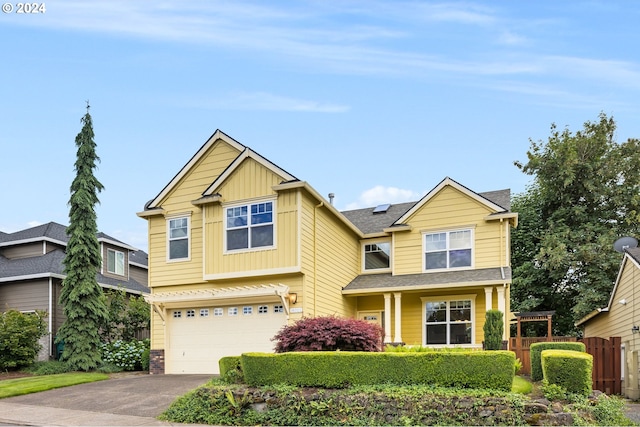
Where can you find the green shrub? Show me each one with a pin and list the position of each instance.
(125, 355)
(145, 359)
(539, 347)
(51, 367)
(569, 369)
(471, 369)
(231, 370)
(19, 335)
(493, 330)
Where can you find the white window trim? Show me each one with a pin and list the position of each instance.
(449, 298)
(168, 234)
(363, 243)
(448, 230)
(116, 261)
(248, 203)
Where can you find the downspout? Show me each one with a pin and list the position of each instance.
(51, 352)
(315, 255)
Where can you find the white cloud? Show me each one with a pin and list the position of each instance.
(264, 101)
(381, 194)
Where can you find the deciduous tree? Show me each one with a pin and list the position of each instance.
(585, 194)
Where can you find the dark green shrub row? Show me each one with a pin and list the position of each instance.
(539, 347)
(472, 369)
(568, 369)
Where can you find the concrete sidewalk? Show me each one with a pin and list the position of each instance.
(129, 401)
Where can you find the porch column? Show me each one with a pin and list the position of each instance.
(397, 338)
(502, 306)
(387, 318)
(488, 296)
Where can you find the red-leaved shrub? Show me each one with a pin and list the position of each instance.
(329, 333)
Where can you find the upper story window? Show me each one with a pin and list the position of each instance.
(377, 256)
(178, 238)
(249, 226)
(115, 262)
(448, 249)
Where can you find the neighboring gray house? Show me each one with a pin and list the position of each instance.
(32, 270)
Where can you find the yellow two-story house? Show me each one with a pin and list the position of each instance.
(239, 248)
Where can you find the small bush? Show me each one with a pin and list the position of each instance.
(231, 370)
(329, 333)
(48, 368)
(125, 355)
(568, 369)
(537, 348)
(19, 335)
(493, 330)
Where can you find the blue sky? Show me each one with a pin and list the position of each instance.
(375, 101)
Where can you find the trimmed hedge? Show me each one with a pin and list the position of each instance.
(230, 369)
(568, 369)
(472, 369)
(539, 347)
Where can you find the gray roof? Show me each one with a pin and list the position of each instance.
(381, 282)
(634, 253)
(51, 263)
(369, 222)
(52, 230)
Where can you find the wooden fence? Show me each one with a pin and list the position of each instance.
(607, 367)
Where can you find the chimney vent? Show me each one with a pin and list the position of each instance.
(331, 196)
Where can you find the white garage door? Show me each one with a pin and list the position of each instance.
(198, 337)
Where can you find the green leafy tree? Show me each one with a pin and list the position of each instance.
(19, 335)
(585, 194)
(82, 297)
(127, 316)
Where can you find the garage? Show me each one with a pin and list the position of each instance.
(204, 325)
(199, 336)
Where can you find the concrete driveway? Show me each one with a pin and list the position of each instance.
(129, 400)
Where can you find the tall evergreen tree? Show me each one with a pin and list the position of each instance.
(585, 194)
(82, 297)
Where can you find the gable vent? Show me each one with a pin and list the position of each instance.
(382, 208)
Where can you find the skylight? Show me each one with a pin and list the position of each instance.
(382, 208)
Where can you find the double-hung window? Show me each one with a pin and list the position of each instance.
(377, 256)
(249, 226)
(448, 249)
(448, 322)
(115, 262)
(178, 238)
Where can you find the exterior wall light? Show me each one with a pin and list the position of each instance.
(293, 297)
(635, 329)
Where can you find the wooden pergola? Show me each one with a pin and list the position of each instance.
(535, 316)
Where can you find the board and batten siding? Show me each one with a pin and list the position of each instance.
(448, 210)
(177, 203)
(284, 254)
(330, 260)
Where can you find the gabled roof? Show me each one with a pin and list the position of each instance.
(51, 265)
(450, 182)
(632, 258)
(247, 153)
(217, 135)
(370, 222)
(51, 231)
(244, 153)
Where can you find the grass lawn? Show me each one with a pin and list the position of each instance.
(34, 384)
(521, 385)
